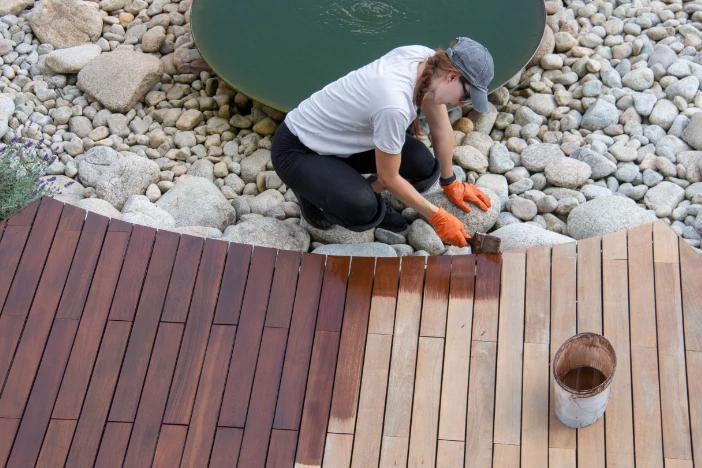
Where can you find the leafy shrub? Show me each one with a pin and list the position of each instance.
(22, 163)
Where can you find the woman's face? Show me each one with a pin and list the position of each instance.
(452, 90)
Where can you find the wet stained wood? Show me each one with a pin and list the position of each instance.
(226, 446)
(691, 277)
(197, 330)
(538, 295)
(331, 303)
(382, 311)
(487, 292)
(259, 420)
(231, 292)
(253, 314)
(170, 446)
(535, 408)
(180, 288)
(347, 382)
(280, 305)
(113, 445)
(56, 444)
(143, 334)
(435, 300)
(281, 451)
(481, 397)
(11, 248)
(133, 272)
(153, 399)
(92, 324)
(297, 356)
(198, 444)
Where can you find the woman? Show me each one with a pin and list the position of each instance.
(357, 125)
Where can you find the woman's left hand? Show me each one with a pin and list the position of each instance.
(460, 192)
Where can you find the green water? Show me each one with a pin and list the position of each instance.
(280, 53)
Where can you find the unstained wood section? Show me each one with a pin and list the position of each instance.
(665, 240)
(691, 276)
(382, 311)
(506, 456)
(337, 451)
(481, 397)
(450, 454)
(642, 303)
(694, 370)
(648, 442)
(535, 409)
(538, 295)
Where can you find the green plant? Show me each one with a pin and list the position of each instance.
(22, 163)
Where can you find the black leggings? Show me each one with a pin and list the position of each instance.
(335, 184)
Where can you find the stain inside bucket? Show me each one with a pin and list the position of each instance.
(583, 378)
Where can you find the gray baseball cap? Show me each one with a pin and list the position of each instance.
(475, 63)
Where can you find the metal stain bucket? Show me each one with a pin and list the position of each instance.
(583, 369)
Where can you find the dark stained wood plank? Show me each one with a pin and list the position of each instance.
(259, 421)
(133, 272)
(8, 429)
(25, 216)
(180, 289)
(10, 332)
(2, 228)
(253, 313)
(153, 399)
(197, 330)
(297, 355)
(203, 424)
(435, 303)
(97, 401)
(92, 325)
(72, 219)
(487, 291)
(347, 383)
(170, 446)
(231, 292)
(85, 261)
(11, 248)
(691, 276)
(280, 304)
(315, 415)
(331, 304)
(58, 438)
(281, 453)
(136, 359)
(382, 312)
(226, 446)
(41, 315)
(113, 445)
(538, 295)
(35, 420)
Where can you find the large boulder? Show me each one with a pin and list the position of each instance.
(603, 215)
(269, 232)
(599, 165)
(66, 23)
(369, 249)
(99, 206)
(525, 235)
(116, 176)
(692, 160)
(253, 164)
(599, 115)
(195, 201)
(475, 221)
(664, 198)
(120, 79)
(338, 234)
(693, 132)
(63, 189)
(14, 7)
(567, 172)
(139, 210)
(72, 59)
(536, 157)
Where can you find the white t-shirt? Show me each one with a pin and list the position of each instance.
(369, 107)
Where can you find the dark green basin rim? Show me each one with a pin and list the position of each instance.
(492, 88)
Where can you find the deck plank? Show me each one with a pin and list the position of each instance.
(394, 452)
(281, 451)
(371, 406)
(506, 456)
(347, 382)
(665, 240)
(226, 446)
(170, 446)
(454, 388)
(113, 445)
(508, 392)
(56, 444)
(8, 429)
(481, 397)
(382, 312)
(535, 408)
(642, 303)
(331, 303)
(337, 451)
(280, 305)
(648, 440)
(180, 288)
(435, 301)
(11, 247)
(691, 276)
(237, 392)
(487, 292)
(450, 454)
(297, 356)
(197, 330)
(203, 424)
(231, 291)
(538, 295)
(694, 371)
(143, 442)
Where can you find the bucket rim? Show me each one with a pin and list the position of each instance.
(592, 391)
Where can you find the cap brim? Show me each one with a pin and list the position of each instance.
(479, 100)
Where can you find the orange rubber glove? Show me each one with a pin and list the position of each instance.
(458, 192)
(449, 228)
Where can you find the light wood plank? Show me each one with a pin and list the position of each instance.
(425, 410)
(369, 427)
(394, 452)
(665, 243)
(673, 463)
(694, 371)
(538, 295)
(481, 391)
(614, 246)
(561, 458)
(506, 456)
(450, 454)
(563, 322)
(337, 451)
(590, 285)
(382, 311)
(642, 304)
(620, 460)
(535, 409)
(691, 274)
(508, 394)
(565, 250)
(619, 419)
(454, 389)
(591, 445)
(648, 440)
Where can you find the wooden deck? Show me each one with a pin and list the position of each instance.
(124, 346)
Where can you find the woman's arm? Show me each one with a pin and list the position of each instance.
(441, 134)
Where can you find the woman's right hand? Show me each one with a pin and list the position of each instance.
(449, 228)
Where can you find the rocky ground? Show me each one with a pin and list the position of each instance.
(602, 130)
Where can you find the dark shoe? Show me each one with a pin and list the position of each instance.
(312, 214)
(393, 220)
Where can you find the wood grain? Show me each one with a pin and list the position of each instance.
(481, 397)
(538, 295)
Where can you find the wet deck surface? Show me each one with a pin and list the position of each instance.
(124, 346)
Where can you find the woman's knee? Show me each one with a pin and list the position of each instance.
(357, 209)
